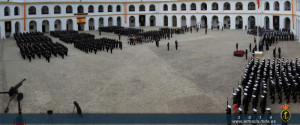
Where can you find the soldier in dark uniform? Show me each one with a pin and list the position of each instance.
(246, 54)
(263, 104)
(245, 103)
(250, 47)
(168, 46)
(274, 52)
(269, 114)
(228, 113)
(176, 44)
(99, 32)
(107, 47)
(206, 30)
(119, 36)
(111, 48)
(279, 51)
(240, 114)
(120, 45)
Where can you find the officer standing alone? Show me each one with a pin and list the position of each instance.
(168, 46)
(176, 44)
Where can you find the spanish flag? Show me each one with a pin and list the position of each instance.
(258, 3)
(80, 20)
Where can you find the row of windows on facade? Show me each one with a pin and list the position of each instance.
(238, 6)
(215, 6)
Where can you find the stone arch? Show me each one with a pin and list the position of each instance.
(183, 21)
(239, 22)
(251, 22)
(131, 21)
(174, 20)
(32, 26)
(45, 26)
(227, 22)
(57, 25)
(166, 20)
(152, 20)
(69, 24)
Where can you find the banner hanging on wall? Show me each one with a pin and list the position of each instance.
(80, 20)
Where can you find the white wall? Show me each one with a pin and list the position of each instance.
(158, 13)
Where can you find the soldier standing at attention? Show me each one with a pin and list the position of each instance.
(168, 46)
(274, 52)
(269, 114)
(228, 113)
(99, 32)
(111, 48)
(250, 47)
(206, 30)
(176, 44)
(279, 51)
(119, 36)
(246, 54)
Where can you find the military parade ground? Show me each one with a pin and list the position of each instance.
(141, 78)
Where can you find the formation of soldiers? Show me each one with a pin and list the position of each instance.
(120, 30)
(87, 42)
(277, 79)
(90, 45)
(32, 44)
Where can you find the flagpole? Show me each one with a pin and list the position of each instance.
(257, 25)
(258, 52)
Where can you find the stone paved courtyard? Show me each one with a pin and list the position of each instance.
(197, 78)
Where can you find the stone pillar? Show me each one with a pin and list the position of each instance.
(63, 24)
(39, 25)
(2, 30)
(271, 22)
(51, 27)
(232, 22)
(75, 25)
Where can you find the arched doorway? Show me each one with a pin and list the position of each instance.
(239, 22)
(287, 23)
(193, 21)
(110, 21)
(131, 21)
(152, 21)
(267, 22)
(166, 20)
(45, 26)
(57, 25)
(174, 20)
(251, 22)
(183, 21)
(17, 27)
(101, 22)
(91, 24)
(32, 26)
(227, 22)
(215, 21)
(203, 21)
(69, 24)
(119, 24)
